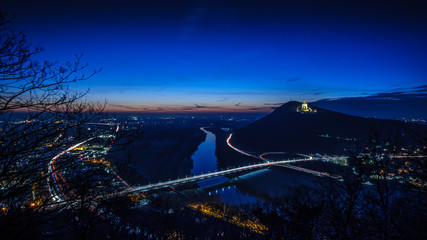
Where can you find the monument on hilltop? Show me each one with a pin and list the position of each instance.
(304, 108)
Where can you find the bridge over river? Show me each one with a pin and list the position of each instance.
(167, 185)
(191, 179)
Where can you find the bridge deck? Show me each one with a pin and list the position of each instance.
(176, 182)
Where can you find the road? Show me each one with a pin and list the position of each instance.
(59, 180)
(54, 173)
(176, 182)
(243, 152)
(282, 164)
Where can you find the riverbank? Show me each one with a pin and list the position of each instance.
(161, 154)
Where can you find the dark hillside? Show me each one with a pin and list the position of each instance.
(324, 131)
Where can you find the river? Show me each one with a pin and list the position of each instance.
(204, 161)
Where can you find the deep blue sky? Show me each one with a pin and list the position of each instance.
(231, 55)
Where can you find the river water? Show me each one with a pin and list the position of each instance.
(204, 161)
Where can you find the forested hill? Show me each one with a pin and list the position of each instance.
(323, 131)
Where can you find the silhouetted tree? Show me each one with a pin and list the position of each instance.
(37, 109)
(377, 197)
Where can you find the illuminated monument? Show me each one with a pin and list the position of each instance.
(304, 108)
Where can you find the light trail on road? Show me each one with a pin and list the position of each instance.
(241, 151)
(309, 171)
(52, 170)
(262, 157)
(173, 183)
(55, 173)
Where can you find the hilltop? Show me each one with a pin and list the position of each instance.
(320, 131)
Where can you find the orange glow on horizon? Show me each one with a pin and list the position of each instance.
(191, 109)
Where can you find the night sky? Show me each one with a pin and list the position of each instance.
(231, 55)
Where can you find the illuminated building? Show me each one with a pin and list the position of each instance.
(304, 108)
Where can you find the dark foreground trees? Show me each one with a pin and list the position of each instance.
(39, 115)
(382, 197)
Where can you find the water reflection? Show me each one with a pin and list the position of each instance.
(204, 161)
(233, 195)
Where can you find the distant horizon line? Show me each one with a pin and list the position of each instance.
(167, 112)
(191, 112)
